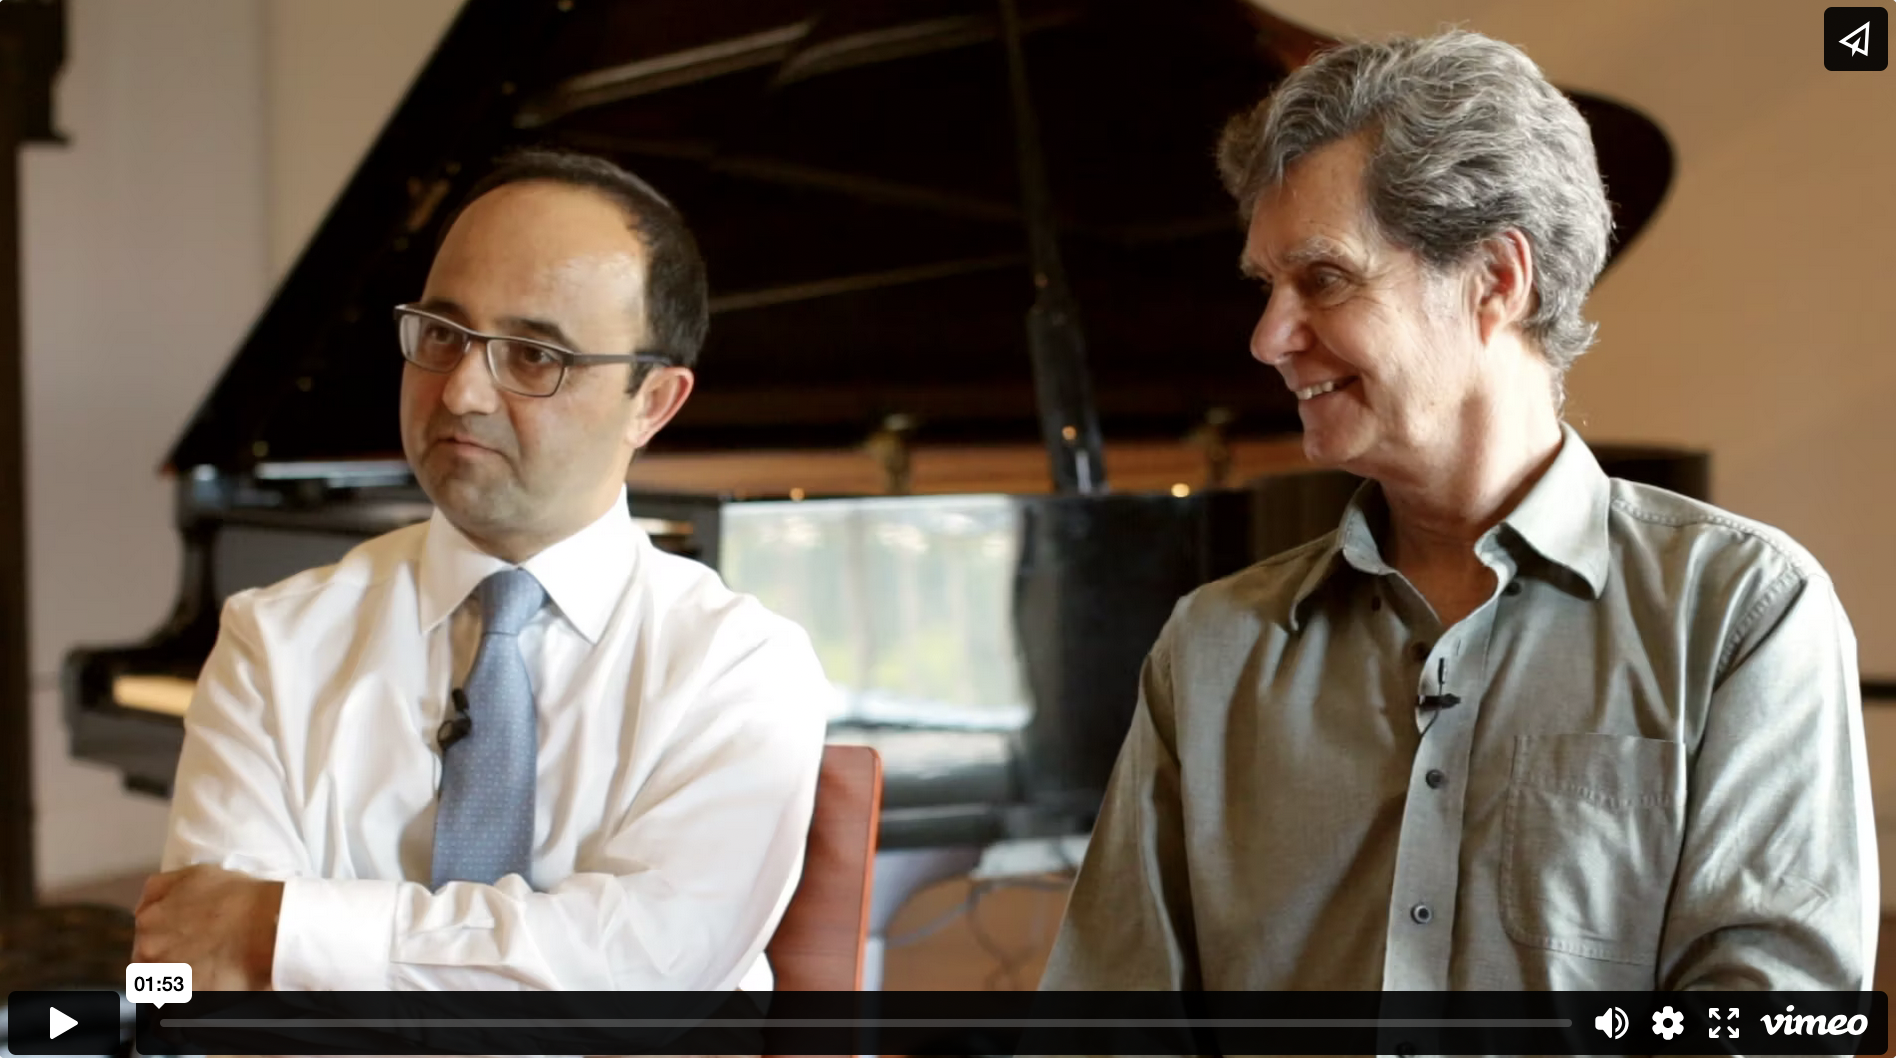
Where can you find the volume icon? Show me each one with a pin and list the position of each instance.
(1612, 1022)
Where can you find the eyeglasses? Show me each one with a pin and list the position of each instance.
(518, 365)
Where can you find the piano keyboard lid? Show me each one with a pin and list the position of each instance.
(849, 168)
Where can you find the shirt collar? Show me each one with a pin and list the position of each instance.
(1351, 543)
(584, 575)
(1563, 518)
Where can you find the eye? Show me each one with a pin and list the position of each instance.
(433, 333)
(534, 356)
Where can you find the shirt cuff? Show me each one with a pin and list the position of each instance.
(334, 935)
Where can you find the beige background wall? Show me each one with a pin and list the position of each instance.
(333, 69)
(210, 135)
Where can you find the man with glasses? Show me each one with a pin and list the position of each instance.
(516, 746)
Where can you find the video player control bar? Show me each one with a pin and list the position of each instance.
(1014, 1023)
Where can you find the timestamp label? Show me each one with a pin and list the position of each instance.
(158, 983)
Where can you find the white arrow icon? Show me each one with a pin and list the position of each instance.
(1858, 41)
(57, 1022)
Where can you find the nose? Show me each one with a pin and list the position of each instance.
(470, 388)
(1282, 330)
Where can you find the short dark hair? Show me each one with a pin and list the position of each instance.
(677, 302)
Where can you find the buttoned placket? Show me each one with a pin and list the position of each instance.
(1418, 946)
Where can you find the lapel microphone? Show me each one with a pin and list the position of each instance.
(458, 725)
(1441, 699)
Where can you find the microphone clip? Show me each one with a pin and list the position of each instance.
(459, 723)
(1441, 699)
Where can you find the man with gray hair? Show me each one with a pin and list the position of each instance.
(1513, 724)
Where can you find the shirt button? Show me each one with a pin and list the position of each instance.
(1422, 915)
(1435, 778)
(1513, 588)
(1420, 652)
(1375, 602)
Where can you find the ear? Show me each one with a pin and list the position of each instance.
(1505, 278)
(658, 399)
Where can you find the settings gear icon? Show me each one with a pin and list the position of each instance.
(1668, 1023)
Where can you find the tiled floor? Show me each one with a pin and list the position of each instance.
(1001, 945)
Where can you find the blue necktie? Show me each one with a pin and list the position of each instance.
(484, 825)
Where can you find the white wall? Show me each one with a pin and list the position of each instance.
(207, 139)
(144, 262)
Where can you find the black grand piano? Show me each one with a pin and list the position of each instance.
(938, 226)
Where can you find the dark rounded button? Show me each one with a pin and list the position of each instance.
(1407, 1050)
(1422, 915)
(1513, 588)
(1375, 602)
(1420, 652)
(1435, 778)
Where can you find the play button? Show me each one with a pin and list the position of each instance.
(57, 1022)
(71, 1022)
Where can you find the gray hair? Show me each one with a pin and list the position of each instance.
(1470, 141)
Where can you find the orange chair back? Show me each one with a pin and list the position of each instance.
(818, 947)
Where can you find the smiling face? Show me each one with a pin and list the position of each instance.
(1383, 355)
(559, 264)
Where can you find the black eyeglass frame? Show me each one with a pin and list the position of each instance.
(567, 358)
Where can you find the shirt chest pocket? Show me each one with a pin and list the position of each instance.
(1594, 824)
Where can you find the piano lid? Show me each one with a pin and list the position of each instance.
(850, 170)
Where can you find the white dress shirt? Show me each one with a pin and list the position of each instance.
(680, 732)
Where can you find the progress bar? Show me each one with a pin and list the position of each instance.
(866, 1023)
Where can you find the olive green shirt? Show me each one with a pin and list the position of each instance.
(1654, 777)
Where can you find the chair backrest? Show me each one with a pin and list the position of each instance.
(818, 947)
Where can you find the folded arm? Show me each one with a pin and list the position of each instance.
(682, 894)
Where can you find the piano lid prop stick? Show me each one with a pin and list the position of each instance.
(1069, 423)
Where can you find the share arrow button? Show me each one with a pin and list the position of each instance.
(1856, 38)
